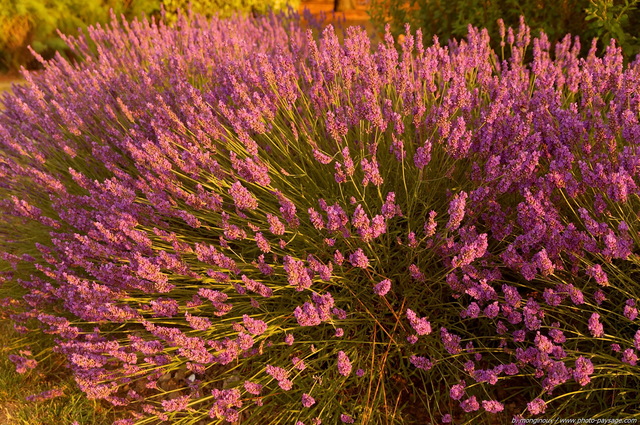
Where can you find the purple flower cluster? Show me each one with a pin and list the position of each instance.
(344, 364)
(199, 211)
(420, 324)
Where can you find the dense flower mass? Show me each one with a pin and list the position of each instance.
(220, 221)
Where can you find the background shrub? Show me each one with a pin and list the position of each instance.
(606, 19)
(225, 8)
(36, 23)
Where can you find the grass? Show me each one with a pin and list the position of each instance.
(50, 374)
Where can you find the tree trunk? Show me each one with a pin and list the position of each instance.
(343, 5)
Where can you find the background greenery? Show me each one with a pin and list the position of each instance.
(605, 19)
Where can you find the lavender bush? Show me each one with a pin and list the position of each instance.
(255, 226)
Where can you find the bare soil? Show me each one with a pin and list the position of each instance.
(358, 16)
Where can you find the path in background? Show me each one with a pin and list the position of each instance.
(358, 16)
(316, 6)
(7, 80)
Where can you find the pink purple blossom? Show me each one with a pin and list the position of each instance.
(382, 288)
(307, 400)
(470, 405)
(537, 406)
(344, 364)
(421, 362)
(595, 326)
(420, 324)
(347, 419)
(359, 259)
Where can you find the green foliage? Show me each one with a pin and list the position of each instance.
(605, 19)
(36, 23)
(224, 8)
(615, 19)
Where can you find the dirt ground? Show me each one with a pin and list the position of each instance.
(318, 6)
(358, 16)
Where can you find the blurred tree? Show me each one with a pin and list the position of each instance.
(343, 5)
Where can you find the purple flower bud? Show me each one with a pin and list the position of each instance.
(630, 311)
(544, 264)
(472, 311)
(599, 296)
(551, 297)
(198, 323)
(430, 225)
(316, 219)
(321, 157)
(492, 406)
(242, 198)
(456, 210)
(389, 208)
(421, 362)
(457, 391)
(510, 369)
(307, 400)
(382, 288)
(537, 406)
(543, 343)
(297, 273)
(451, 342)
(422, 156)
(630, 357)
(371, 172)
(492, 310)
(288, 210)
(416, 273)
(470, 404)
(262, 242)
(595, 327)
(275, 225)
(359, 259)
(298, 363)
(277, 373)
(307, 315)
(421, 325)
(344, 364)
(254, 326)
(22, 362)
(583, 369)
(598, 274)
(412, 339)
(347, 419)
(46, 395)
(176, 404)
(511, 295)
(164, 307)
